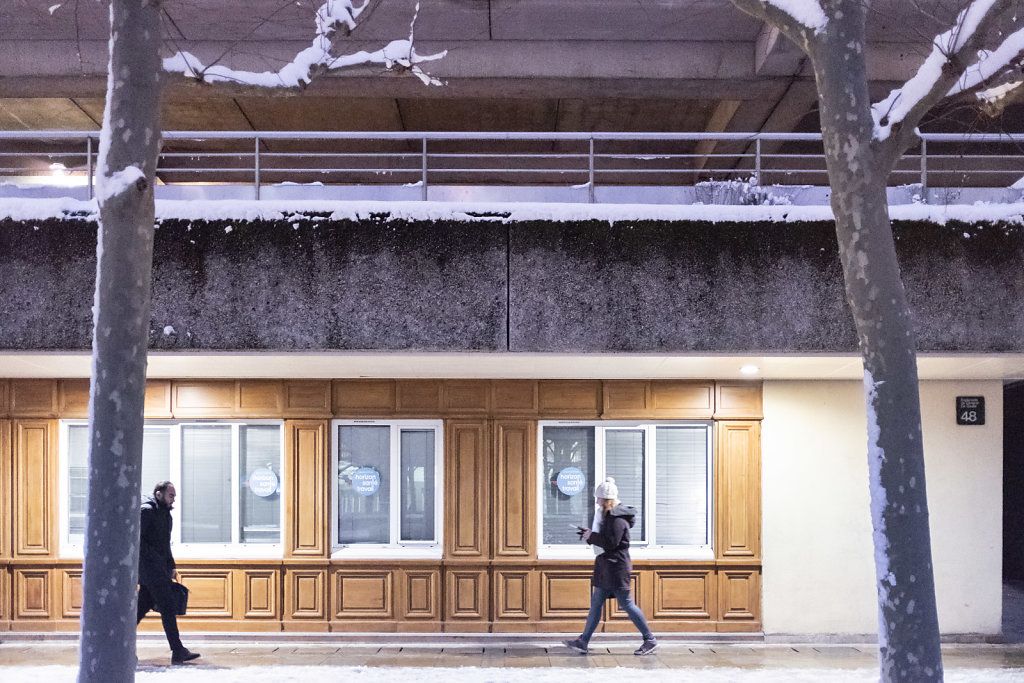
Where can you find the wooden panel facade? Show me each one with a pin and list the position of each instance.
(515, 450)
(33, 594)
(71, 593)
(467, 528)
(308, 520)
(738, 489)
(488, 576)
(6, 460)
(34, 486)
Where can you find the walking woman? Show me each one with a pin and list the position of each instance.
(612, 566)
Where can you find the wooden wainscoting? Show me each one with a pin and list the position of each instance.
(419, 597)
(6, 596)
(305, 597)
(739, 598)
(363, 594)
(258, 593)
(211, 592)
(466, 604)
(70, 592)
(516, 597)
(684, 594)
(33, 594)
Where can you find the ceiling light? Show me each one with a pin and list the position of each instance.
(58, 169)
(749, 369)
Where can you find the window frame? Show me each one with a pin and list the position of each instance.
(638, 549)
(234, 549)
(431, 549)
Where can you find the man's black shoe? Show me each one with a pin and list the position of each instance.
(183, 656)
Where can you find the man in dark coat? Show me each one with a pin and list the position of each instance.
(156, 568)
(612, 566)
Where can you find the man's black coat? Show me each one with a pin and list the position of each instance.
(156, 565)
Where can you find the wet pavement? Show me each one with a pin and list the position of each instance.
(231, 654)
(239, 651)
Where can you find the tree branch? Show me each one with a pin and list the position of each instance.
(333, 18)
(795, 18)
(954, 53)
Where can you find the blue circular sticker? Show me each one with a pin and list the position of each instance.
(366, 481)
(263, 482)
(571, 481)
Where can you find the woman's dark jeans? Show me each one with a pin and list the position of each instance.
(597, 598)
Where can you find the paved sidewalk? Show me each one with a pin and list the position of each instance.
(232, 654)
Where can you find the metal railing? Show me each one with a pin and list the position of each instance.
(584, 161)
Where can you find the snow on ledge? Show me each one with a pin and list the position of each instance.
(235, 210)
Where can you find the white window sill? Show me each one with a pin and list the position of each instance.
(214, 551)
(569, 552)
(381, 552)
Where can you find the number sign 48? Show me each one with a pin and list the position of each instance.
(970, 410)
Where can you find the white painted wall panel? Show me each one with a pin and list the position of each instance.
(818, 569)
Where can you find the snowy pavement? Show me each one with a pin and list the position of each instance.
(226, 661)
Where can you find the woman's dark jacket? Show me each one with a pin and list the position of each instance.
(612, 567)
(155, 562)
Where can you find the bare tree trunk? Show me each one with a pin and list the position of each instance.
(908, 624)
(129, 144)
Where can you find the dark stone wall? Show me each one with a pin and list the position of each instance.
(667, 287)
(310, 283)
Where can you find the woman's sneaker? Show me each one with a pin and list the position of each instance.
(577, 645)
(648, 647)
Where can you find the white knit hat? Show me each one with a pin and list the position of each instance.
(607, 489)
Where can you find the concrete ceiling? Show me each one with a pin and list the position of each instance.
(512, 65)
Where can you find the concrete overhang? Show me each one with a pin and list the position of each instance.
(412, 365)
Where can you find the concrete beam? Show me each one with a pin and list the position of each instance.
(728, 65)
(718, 123)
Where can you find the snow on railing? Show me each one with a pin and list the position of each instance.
(593, 166)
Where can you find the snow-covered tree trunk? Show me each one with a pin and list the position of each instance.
(908, 624)
(126, 169)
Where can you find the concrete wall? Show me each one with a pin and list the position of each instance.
(310, 283)
(818, 559)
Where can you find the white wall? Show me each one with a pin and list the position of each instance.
(818, 566)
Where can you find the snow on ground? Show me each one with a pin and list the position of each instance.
(235, 209)
(363, 674)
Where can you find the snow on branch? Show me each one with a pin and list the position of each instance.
(948, 51)
(807, 13)
(792, 17)
(992, 63)
(331, 16)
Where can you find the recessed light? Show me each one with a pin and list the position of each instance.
(749, 369)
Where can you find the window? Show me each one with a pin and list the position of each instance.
(227, 475)
(662, 469)
(388, 485)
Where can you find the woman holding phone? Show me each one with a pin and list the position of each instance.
(612, 566)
